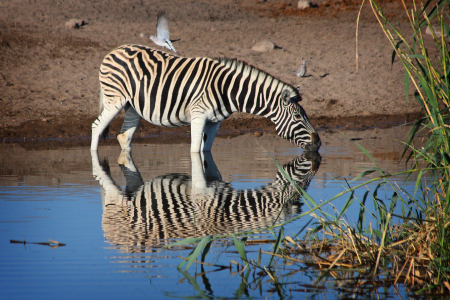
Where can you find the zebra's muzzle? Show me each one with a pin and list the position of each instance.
(315, 143)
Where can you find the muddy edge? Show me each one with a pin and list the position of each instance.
(77, 131)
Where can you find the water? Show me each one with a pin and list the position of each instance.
(114, 220)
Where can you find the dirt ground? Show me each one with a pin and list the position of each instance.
(49, 73)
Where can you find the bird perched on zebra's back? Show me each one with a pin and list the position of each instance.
(162, 37)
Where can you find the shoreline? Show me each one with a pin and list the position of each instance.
(77, 131)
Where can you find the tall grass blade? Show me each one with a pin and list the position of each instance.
(185, 242)
(206, 250)
(184, 261)
(346, 205)
(277, 245)
(383, 238)
(393, 203)
(362, 215)
(425, 6)
(258, 261)
(417, 185)
(406, 82)
(394, 52)
(364, 151)
(364, 174)
(412, 134)
(193, 256)
(419, 56)
(303, 228)
(240, 245)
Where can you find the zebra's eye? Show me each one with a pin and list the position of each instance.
(297, 117)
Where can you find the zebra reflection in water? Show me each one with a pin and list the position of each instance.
(178, 205)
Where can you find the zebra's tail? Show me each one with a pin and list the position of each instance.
(105, 132)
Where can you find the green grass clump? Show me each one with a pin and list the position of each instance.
(427, 68)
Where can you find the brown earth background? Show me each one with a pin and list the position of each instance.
(49, 73)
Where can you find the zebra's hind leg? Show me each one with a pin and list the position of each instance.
(209, 133)
(130, 124)
(102, 122)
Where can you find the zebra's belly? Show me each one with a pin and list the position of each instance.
(174, 122)
(183, 120)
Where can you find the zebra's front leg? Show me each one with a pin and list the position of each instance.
(202, 134)
(129, 127)
(197, 128)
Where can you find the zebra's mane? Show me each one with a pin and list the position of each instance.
(246, 68)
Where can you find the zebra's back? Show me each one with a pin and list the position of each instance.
(159, 86)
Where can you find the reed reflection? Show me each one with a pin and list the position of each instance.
(175, 205)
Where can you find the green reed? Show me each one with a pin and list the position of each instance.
(427, 68)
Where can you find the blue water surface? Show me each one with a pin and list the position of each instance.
(52, 195)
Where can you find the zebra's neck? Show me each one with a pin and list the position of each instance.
(252, 90)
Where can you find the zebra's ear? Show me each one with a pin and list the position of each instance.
(287, 99)
(285, 96)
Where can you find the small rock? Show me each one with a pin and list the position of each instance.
(437, 31)
(263, 46)
(302, 4)
(44, 120)
(143, 35)
(258, 133)
(75, 23)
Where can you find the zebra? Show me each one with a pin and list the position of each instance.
(178, 205)
(172, 91)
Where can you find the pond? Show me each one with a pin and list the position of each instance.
(75, 224)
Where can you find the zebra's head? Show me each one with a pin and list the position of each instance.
(293, 124)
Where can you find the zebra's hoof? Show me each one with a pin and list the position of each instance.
(124, 141)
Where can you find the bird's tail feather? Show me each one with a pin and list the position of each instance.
(169, 44)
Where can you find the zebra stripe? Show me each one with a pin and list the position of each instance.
(168, 207)
(173, 91)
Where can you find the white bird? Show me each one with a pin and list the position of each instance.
(162, 37)
(302, 71)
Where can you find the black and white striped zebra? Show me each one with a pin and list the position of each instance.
(180, 205)
(173, 91)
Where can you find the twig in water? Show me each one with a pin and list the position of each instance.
(50, 243)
